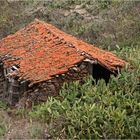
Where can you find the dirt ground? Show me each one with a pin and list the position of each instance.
(21, 128)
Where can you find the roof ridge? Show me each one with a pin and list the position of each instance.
(81, 45)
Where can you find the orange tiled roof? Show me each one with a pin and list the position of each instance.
(41, 50)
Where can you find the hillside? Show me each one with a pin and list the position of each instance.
(106, 24)
(83, 112)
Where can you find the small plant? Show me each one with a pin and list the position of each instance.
(104, 3)
(22, 112)
(2, 129)
(36, 132)
(3, 105)
(3, 126)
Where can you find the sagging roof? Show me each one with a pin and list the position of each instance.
(42, 51)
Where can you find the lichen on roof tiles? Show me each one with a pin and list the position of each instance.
(43, 51)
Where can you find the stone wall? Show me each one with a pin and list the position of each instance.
(40, 92)
(1, 81)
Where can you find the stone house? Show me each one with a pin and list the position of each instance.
(38, 59)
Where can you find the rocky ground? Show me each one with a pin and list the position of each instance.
(20, 128)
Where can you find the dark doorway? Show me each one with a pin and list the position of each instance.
(99, 72)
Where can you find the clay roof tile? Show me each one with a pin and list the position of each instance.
(44, 51)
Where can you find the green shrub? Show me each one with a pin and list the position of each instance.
(36, 132)
(3, 105)
(104, 3)
(2, 130)
(3, 125)
(99, 111)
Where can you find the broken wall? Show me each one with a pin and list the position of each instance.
(40, 92)
(1, 81)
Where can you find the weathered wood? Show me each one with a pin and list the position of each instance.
(12, 88)
(5, 89)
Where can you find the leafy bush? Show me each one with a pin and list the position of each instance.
(100, 111)
(3, 124)
(2, 129)
(3, 105)
(104, 4)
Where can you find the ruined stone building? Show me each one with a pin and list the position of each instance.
(39, 58)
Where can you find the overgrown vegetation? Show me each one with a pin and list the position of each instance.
(101, 111)
(84, 111)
